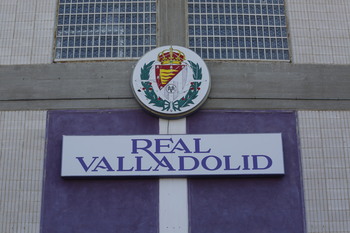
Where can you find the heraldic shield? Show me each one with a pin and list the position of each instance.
(171, 81)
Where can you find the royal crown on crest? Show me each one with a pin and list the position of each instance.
(171, 56)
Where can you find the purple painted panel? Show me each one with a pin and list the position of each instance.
(248, 204)
(97, 205)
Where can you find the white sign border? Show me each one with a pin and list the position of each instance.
(70, 165)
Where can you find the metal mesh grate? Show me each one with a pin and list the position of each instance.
(105, 29)
(238, 29)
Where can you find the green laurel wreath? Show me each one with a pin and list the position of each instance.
(185, 101)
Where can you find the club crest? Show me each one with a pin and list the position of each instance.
(171, 81)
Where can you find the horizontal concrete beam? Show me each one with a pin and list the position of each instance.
(280, 81)
(234, 85)
(66, 81)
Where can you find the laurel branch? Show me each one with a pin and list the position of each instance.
(145, 70)
(154, 99)
(185, 101)
(193, 91)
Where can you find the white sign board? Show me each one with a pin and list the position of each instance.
(172, 155)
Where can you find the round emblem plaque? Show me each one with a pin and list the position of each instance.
(171, 81)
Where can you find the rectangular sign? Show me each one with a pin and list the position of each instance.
(172, 155)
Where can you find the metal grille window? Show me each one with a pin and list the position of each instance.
(238, 29)
(105, 29)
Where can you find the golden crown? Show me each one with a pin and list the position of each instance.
(171, 56)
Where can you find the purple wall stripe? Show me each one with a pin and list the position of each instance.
(248, 204)
(97, 205)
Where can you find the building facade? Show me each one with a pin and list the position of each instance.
(276, 66)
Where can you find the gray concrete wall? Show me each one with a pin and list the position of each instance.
(22, 147)
(234, 85)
